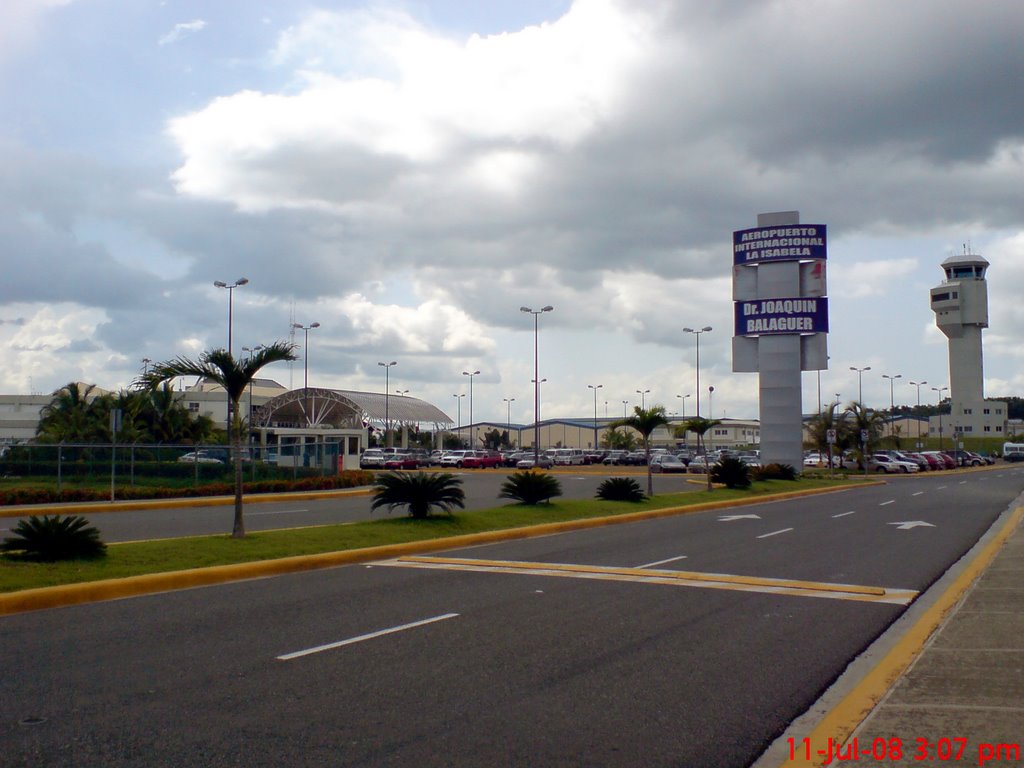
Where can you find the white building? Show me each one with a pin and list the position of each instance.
(960, 305)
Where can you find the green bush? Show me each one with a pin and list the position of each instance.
(419, 492)
(52, 537)
(732, 473)
(530, 487)
(620, 489)
(774, 472)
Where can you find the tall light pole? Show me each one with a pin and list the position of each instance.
(231, 293)
(387, 412)
(508, 415)
(697, 333)
(892, 401)
(682, 404)
(252, 351)
(458, 399)
(625, 404)
(305, 365)
(940, 390)
(595, 387)
(860, 382)
(643, 401)
(145, 365)
(711, 416)
(917, 415)
(536, 378)
(472, 440)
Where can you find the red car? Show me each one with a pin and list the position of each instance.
(401, 461)
(481, 460)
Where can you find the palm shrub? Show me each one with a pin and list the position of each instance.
(530, 487)
(774, 472)
(732, 473)
(51, 537)
(420, 492)
(620, 489)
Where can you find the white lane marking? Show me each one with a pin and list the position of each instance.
(662, 562)
(774, 533)
(963, 482)
(885, 503)
(276, 512)
(906, 525)
(919, 493)
(844, 514)
(941, 488)
(730, 518)
(361, 638)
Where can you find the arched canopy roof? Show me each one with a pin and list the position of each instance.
(346, 409)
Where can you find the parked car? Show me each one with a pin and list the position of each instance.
(199, 457)
(567, 457)
(401, 461)
(1013, 456)
(635, 459)
(667, 462)
(700, 464)
(883, 462)
(454, 458)
(481, 459)
(614, 457)
(543, 462)
(372, 458)
(965, 458)
(948, 462)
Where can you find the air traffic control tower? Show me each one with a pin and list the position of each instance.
(960, 305)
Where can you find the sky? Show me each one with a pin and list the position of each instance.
(409, 174)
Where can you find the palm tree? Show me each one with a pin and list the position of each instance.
(700, 426)
(420, 492)
(645, 421)
(220, 367)
(861, 419)
(69, 417)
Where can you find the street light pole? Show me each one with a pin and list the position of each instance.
(940, 390)
(231, 293)
(917, 415)
(625, 404)
(387, 412)
(892, 401)
(595, 388)
(860, 382)
(508, 416)
(711, 416)
(643, 401)
(458, 399)
(697, 333)
(305, 366)
(536, 377)
(472, 440)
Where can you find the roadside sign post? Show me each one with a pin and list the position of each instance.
(830, 438)
(864, 449)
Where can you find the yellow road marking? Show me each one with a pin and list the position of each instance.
(657, 576)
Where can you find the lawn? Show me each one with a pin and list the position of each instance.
(161, 556)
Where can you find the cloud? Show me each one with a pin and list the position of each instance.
(182, 30)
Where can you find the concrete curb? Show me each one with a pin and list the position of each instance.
(842, 719)
(132, 586)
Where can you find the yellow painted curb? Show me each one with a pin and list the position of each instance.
(132, 586)
(840, 723)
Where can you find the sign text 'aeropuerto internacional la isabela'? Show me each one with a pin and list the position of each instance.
(785, 243)
(768, 316)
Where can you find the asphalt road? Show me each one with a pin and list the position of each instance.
(426, 663)
(481, 490)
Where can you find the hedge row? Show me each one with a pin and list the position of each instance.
(346, 479)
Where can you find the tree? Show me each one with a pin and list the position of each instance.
(645, 421)
(861, 419)
(420, 492)
(529, 487)
(220, 367)
(818, 427)
(70, 416)
(618, 439)
(700, 426)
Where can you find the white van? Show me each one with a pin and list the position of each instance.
(568, 457)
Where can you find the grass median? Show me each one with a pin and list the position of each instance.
(165, 555)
